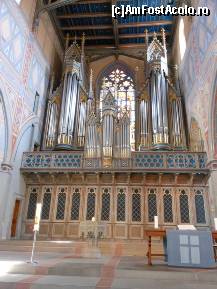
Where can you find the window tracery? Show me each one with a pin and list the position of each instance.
(121, 85)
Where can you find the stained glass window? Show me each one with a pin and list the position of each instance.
(200, 208)
(121, 199)
(184, 207)
(168, 207)
(152, 205)
(91, 205)
(121, 85)
(46, 205)
(32, 204)
(60, 213)
(136, 206)
(75, 205)
(105, 211)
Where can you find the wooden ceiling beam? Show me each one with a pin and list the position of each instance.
(86, 27)
(145, 24)
(122, 36)
(121, 46)
(125, 25)
(115, 26)
(141, 35)
(83, 15)
(91, 37)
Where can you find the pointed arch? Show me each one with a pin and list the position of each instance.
(4, 100)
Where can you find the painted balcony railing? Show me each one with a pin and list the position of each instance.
(150, 161)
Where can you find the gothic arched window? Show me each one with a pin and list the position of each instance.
(121, 85)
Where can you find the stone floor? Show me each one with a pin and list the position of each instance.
(87, 268)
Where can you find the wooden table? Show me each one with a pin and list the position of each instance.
(162, 233)
(214, 236)
(153, 233)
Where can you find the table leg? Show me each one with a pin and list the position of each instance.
(149, 251)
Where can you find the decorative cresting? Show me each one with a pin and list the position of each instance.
(109, 111)
(160, 106)
(71, 131)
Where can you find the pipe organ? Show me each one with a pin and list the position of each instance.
(102, 176)
(77, 119)
(161, 109)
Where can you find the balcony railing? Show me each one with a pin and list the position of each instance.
(139, 161)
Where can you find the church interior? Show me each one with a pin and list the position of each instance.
(108, 129)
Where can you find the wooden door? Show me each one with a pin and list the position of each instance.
(15, 218)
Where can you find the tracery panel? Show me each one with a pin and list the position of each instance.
(121, 205)
(61, 203)
(184, 207)
(105, 209)
(152, 204)
(32, 203)
(91, 203)
(45, 213)
(75, 204)
(200, 207)
(136, 206)
(168, 206)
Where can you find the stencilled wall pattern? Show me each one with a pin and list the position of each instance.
(27, 72)
(198, 70)
(24, 75)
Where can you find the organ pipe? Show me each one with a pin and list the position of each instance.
(69, 111)
(178, 138)
(145, 121)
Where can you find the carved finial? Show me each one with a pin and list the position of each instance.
(103, 83)
(91, 84)
(163, 37)
(155, 35)
(67, 40)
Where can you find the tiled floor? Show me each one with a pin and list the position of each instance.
(87, 268)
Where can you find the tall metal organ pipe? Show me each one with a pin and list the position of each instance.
(51, 124)
(67, 135)
(178, 138)
(145, 124)
(159, 104)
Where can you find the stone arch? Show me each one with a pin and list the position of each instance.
(196, 139)
(33, 121)
(7, 124)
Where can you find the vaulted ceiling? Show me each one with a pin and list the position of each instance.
(104, 34)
